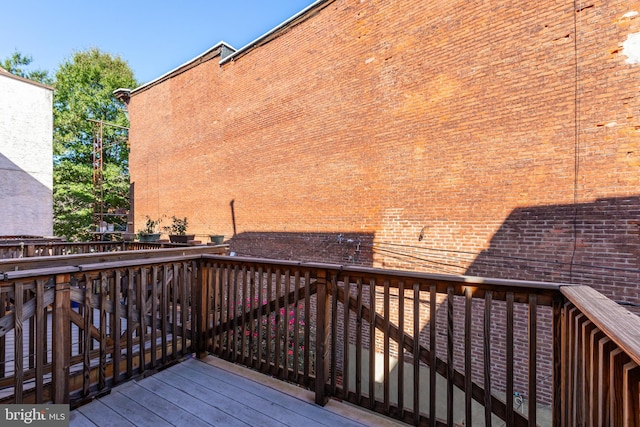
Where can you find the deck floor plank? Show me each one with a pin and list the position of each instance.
(312, 412)
(163, 406)
(79, 420)
(132, 410)
(218, 409)
(198, 393)
(102, 415)
(198, 405)
(197, 372)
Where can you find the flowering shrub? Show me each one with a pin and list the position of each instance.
(280, 327)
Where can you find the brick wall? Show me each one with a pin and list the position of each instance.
(458, 137)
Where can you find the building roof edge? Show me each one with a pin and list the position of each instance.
(4, 72)
(203, 57)
(266, 37)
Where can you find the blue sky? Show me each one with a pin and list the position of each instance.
(154, 37)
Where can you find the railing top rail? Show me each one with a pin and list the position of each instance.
(400, 274)
(31, 263)
(38, 272)
(66, 269)
(27, 242)
(618, 323)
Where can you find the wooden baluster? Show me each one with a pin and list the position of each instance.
(41, 339)
(433, 349)
(61, 345)
(387, 347)
(359, 343)
(175, 295)
(154, 315)
(372, 343)
(631, 394)
(86, 333)
(296, 327)
(322, 338)
(450, 355)
(509, 364)
(243, 312)
(279, 325)
(307, 327)
(262, 321)
(18, 373)
(3, 342)
(401, 333)
(164, 311)
(270, 320)
(130, 322)
(467, 354)
(116, 325)
(142, 310)
(251, 356)
(488, 299)
(103, 331)
(184, 307)
(533, 353)
(416, 354)
(285, 324)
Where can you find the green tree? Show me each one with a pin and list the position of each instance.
(84, 86)
(16, 64)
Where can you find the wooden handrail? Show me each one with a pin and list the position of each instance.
(619, 324)
(101, 257)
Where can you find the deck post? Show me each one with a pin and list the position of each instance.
(201, 309)
(323, 314)
(62, 340)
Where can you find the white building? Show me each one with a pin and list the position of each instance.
(26, 157)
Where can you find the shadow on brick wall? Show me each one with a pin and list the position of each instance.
(337, 247)
(596, 244)
(27, 204)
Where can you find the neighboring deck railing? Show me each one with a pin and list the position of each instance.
(425, 349)
(36, 248)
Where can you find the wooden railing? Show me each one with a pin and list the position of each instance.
(132, 253)
(34, 248)
(350, 333)
(424, 349)
(77, 331)
(600, 361)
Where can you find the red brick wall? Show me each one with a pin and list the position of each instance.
(505, 135)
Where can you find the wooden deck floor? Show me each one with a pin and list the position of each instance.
(212, 392)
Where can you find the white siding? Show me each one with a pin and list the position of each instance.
(26, 158)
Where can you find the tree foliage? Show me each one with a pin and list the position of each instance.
(18, 63)
(84, 86)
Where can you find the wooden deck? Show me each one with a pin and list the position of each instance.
(212, 392)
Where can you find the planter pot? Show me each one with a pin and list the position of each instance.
(146, 238)
(218, 239)
(181, 238)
